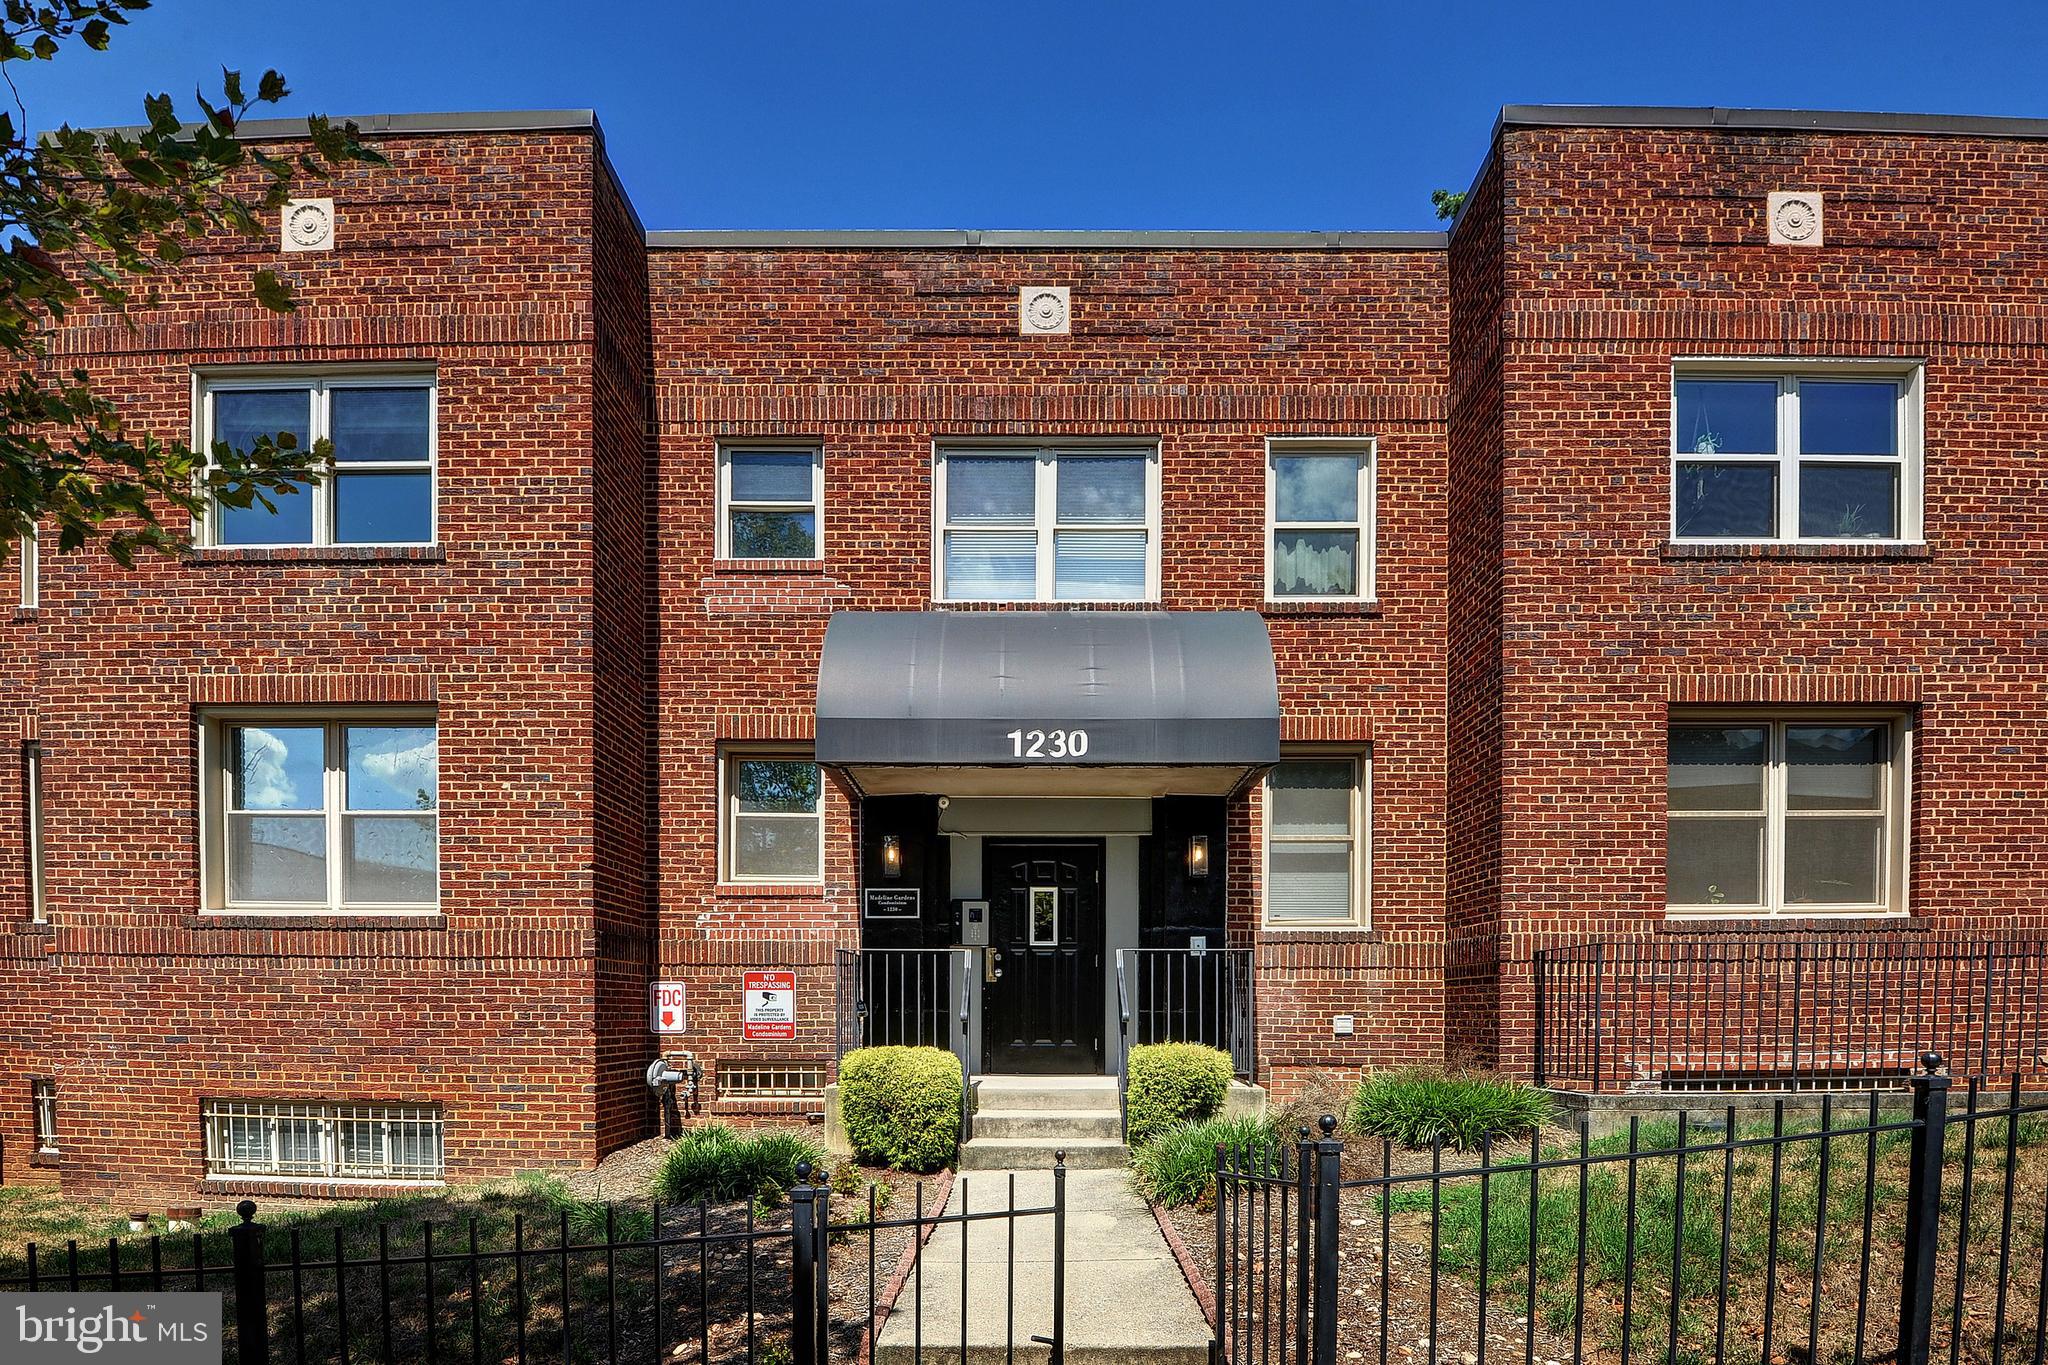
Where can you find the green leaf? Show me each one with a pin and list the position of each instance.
(274, 293)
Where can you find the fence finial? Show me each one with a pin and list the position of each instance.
(1932, 1061)
(1059, 1158)
(247, 1208)
(803, 1172)
(1328, 1123)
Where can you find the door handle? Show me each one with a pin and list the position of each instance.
(991, 965)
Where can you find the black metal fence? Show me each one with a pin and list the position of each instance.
(1865, 1235)
(1180, 995)
(1776, 1011)
(909, 997)
(648, 1284)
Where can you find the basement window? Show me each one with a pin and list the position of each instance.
(377, 1143)
(43, 1100)
(755, 1081)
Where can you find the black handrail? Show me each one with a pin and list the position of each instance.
(1123, 1051)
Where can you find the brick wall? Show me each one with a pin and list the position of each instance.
(1930, 253)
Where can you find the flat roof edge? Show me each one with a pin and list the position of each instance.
(1768, 120)
(484, 121)
(958, 239)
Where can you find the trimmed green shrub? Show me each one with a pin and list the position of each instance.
(1172, 1083)
(901, 1106)
(716, 1165)
(1178, 1166)
(1420, 1107)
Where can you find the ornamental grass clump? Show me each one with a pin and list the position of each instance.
(1421, 1108)
(714, 1165)
(1178, 1165)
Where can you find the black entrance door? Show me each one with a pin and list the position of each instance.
(1044, 1012)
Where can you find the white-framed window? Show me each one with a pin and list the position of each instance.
(32, 813)
(313, 813)
(42, 1092)
(771, 502)
(1818, 451)
(379, 489)
(1791, 814)
(1046, 524)
(1317, 841)
(377, 1143)
(774, 824)
(30, 551)
(1319, 519)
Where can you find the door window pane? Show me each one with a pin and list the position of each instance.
(1315, 487)
(1045, 916)
(380, 424)
(1716, 767)
(276, 767)
(1727, 500)
(1849, 417)
(1849, 501)
(998, 566)
(774, 535)
(1315, 563)
(383, 509)
(1099, 566)
(1727, 416)
(1100, 488)
(1833, 861)
(1835, 767)
(1715, 862)
(772, 475)
(999, 488)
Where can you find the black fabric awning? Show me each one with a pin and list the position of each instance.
(1040, 688)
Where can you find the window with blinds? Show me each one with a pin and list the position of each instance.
(1315, 845)
(1048, 525)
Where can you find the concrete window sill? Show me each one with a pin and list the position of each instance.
(1677, 550)
(317, 554)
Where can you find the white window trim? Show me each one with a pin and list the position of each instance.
(1897, 813)
(1366, 449)
(1045, 506)
(726, 505)
(1908, 374)
(214, 790)
(322, 382)
(1361, 843)
(729, 810)
(30, 550)
(42, 1093)
(32, 802)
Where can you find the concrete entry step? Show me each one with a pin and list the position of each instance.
(1127, 1302)
(1070, 1094)
(1037, 1153)
(1047, 1123)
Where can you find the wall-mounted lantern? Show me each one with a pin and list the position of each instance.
(892, 857)
(1198, 855)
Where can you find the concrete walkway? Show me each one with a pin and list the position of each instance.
(1126, 1298)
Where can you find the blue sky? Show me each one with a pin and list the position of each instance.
(1077, 114)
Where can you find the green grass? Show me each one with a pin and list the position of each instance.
(1420, 1108)
(715, 1165)
(1656, 1237)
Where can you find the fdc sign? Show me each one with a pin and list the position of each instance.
(665, 1008)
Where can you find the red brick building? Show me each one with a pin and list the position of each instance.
(1599, 641)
